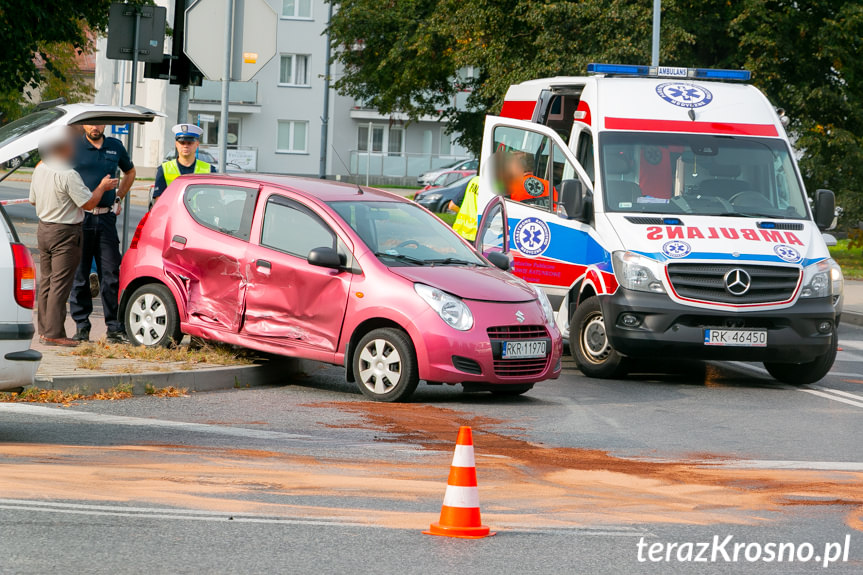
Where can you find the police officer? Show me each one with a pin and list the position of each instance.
(186, 138)
(98, 156)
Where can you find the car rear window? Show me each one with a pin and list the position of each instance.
(226, 209)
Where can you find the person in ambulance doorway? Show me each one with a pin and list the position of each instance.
(186, 138)
(516, 179)
(98, 156)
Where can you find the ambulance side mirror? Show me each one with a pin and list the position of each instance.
(825, 208)
(574, 202)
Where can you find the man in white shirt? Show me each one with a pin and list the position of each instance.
(60, 197)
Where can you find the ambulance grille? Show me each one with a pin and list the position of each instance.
(706, 282)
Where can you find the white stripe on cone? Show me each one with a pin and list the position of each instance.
(463, 456)
(465, 497)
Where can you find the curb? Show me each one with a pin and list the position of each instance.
(272, 372)
(852, 318)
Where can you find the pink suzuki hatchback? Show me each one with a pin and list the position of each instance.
(334, 273)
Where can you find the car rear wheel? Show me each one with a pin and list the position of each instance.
(385, 365)
(152, 318)
(589, 344)
(805, 373)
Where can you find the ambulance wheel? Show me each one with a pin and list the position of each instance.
(589, 345)
(385, 365)
(805, 373)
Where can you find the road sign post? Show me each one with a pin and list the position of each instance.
(247, 44)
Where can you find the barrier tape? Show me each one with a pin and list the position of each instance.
(14, 202)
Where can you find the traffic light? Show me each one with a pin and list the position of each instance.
(159, 70)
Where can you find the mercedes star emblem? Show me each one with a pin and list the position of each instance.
(737, 282)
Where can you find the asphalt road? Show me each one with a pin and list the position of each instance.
(310, 477)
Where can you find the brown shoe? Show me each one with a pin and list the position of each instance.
(60, 341)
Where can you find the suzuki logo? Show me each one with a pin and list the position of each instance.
(519, 316)
(737, 281)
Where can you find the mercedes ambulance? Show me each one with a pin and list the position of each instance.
(662, 211)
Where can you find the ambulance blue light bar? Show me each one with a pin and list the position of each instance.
(668, 72)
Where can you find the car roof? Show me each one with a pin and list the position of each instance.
(324, 190)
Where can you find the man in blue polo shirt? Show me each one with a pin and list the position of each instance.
(97, 156)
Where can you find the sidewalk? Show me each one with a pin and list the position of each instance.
(852, 309)
(60, 369)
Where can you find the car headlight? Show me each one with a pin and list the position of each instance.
(838, 283)
(450, 308)
(432, 197)
(817, 281)
(544, 303)
(636, 272)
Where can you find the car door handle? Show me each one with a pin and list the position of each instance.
(180, 240)
(263, 265)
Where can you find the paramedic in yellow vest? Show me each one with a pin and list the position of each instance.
(186, 138)
(466, 220)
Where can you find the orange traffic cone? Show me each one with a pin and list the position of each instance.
(459, 516)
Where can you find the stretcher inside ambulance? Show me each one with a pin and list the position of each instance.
(663, 212)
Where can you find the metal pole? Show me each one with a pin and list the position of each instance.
(369, 155)
(133, 92)
(654, 52)
(226, 86)
(177, 48)
(325, 119)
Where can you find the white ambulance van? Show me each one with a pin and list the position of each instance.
(662, 211)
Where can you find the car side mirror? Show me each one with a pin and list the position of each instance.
(825, 208)
(574, 202)
(325, 258)
(499, 260)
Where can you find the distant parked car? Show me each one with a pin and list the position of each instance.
(427, 177)
(437, 199)
(331, 272)
(449, 178)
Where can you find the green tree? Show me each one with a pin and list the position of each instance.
(407, 55)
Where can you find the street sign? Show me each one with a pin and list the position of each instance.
(254, 40)
(121, 32)
(120, 129)
(206, 118)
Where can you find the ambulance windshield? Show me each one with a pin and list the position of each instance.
(700, 174)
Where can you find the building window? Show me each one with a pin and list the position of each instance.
(294, 70)
(445, 143)
(297, 9)
(377, 139)
(395, 146)
(293, 137)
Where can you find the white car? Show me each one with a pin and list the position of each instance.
(18, 362)
(426, 178)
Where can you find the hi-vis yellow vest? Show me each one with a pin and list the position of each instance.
(171, 169)
(465, 221)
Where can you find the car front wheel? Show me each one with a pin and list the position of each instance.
(385, 365)
(152, 318)
(805, 373)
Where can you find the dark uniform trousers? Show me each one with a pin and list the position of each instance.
(102, 243)
(59, 258)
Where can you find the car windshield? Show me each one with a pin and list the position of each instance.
(27, 124)
(700, 174)
(403, 234)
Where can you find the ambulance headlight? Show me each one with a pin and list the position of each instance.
(818, 279)
(636, 272)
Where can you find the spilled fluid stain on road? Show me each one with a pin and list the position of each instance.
(523, 485)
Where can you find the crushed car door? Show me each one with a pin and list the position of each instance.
(288, 299)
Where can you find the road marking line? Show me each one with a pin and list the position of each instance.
(839, 392)
(830, 396)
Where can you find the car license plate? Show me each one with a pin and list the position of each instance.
(524, 349)
(736, 337)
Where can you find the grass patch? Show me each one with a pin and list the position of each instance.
(211, 353)
(447, 217)
(850, 258)
(90, 362)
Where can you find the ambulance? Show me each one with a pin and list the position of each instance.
(662, 211)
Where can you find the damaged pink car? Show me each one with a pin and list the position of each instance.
(334, 273)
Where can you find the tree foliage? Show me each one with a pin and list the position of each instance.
(410, 56)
